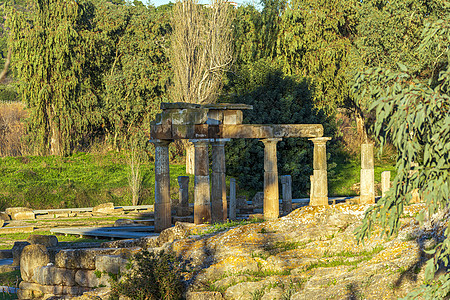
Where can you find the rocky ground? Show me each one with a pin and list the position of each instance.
(309, 254)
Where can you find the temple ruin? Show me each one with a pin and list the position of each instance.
(216, 124)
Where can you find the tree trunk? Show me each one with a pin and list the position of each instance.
(361, 127)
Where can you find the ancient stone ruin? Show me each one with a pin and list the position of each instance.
(216, 124)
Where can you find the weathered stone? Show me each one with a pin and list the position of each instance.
(367, 193)
(185, 116)
(190, 158)
(385, 182)
(218, 183)
(243, 290)
(163, 217)
(232, 211)
(179, 231)
(271, 195)
(20, 213)
(286, 183)
(275, 293)
(46, 240)
(17, 251)
(31, 258)
(91, 279)
(51, 275)
(85, 258)
(104, 208)
(36, 289)
(258, 200)
(204, 296)
(319, 196)
(2, 222)
(114, 264)
(124, 222)
(202, 199)
(4, 216)
(183, 201)
(232, 117)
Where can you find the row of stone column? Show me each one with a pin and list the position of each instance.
(213, 208)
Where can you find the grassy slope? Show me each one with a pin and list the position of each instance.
(84, 180)
(81, 180)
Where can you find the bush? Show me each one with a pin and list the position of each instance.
(151, 277)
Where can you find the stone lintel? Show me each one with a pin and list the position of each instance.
(256, 131)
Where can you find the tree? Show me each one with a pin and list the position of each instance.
(412, 110)
(51, 56)
(137, 70)
(201, 49)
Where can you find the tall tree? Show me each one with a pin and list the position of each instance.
(201, 49)
(51, 54)
(135, 41)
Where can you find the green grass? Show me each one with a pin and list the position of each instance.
(342, 261)
(61, 238)
(348, 172)
(218, 227)
(11, 279)
(80, 180)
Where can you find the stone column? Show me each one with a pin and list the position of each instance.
(286, 183)
(385, 182)
(319, 195)
(232, 199)
(271, 195)
(218, 184)
(190, 157)
(183, 204)
(163, 218)
(367, 175)
(202, 199)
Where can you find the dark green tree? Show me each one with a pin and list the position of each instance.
(51, 56)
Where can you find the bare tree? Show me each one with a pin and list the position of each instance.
(201, 52)
(201, 49)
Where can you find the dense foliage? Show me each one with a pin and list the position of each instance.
(412, 106)
(88, 69)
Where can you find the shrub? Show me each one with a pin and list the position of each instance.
(151, 277)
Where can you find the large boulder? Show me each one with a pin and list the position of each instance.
(20, 213)
(46, 240)
(32, 258)
(105, 208)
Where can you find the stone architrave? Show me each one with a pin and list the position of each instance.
(232, 211)
(367, 192)
(218, 184)
(183, 204)
(319, 186)
(385, 182)
(163, 218)
(271, 194)
(286, 184)
(202, 198)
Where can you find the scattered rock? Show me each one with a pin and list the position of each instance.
(32, 257)
(46, 240)
(105, 208)
(4, 216)
(20, 213)
(258, 200)
(17, 251)
(124, 222)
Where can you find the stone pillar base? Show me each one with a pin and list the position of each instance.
(202, 213)
(318, 201)
(367, 199)
(162, 210)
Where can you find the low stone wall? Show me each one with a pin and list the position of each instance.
(69, 272)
